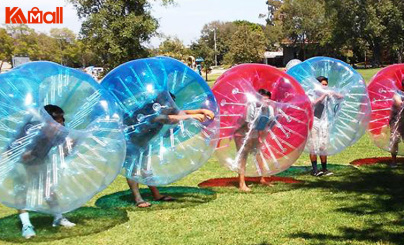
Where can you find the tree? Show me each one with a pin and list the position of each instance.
(273, 7)
(303, 22)
(224, 32)
(116, 30)
(247, 45)
(394, 22)
(368, 25)
(24, 40)
(173, 47)
(6, 47)
(225, 43)
(46, 48)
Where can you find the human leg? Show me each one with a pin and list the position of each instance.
(326, 172)
(157, 196)
(27, 230)
(394, 141)
(242, 146)
(134, 188)
(260, 160)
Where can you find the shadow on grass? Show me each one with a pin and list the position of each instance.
(376, 160)
(302, 170)
(185, 197)
(375, 193)
(88, 221)
(284, 181)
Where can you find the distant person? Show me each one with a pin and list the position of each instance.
(199, 68)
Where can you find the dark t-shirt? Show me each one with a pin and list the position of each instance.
(146, 122)
(318, 110)
(39, 140)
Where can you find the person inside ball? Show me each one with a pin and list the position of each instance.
(142, 127)
(259, 119)
(396, 123)
(319, 135)
(33, 166)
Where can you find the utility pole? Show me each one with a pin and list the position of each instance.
(214, 38)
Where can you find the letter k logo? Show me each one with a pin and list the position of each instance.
(15, 16)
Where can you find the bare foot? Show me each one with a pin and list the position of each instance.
(244, 188)
(266, 183)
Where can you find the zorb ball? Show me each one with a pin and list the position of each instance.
(54, 166)
(265, 118)
(386, 95)
(341, 108)
(292, 63)
(153, 92)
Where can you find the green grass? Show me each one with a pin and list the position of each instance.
(368, 73)
(355, 206)
(362, 205)
(212, 78)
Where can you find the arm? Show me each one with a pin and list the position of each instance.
(319, 99)
(337, 95)
(208, 113)
(174, 119)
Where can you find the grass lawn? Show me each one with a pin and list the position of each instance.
(212, 78)
(357, 205)
(367, 74)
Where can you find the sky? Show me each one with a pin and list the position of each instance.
(185, 20)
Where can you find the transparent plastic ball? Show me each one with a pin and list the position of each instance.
(292, 63)
(341, 108)
(261, 134)
(387, 122)
(48, 165)
(157, 95)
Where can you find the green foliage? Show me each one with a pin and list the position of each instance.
(6, 47)
(60, 46)
(173, 47)
(229, 41)
(204, 47)
(346, 28)
(116, 30)
(247, 46)
(302, 23)
(273, 7)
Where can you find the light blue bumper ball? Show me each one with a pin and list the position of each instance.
(154, 93)
(60, 138)
(341, 107)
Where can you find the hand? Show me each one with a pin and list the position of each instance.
(27, 156)
(337, 95)
(199, 117)
(208, 113)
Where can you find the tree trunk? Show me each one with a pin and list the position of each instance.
(400, 55)
(376, 60)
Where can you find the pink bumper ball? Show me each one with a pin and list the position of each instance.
(265, 118)
(386, 92)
